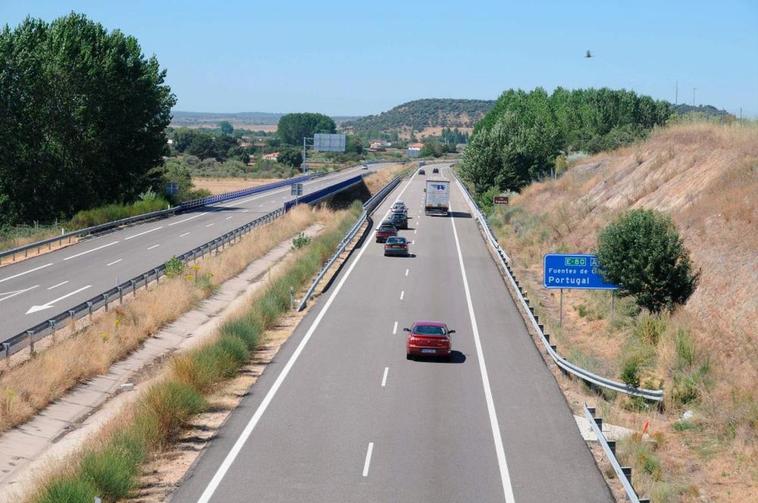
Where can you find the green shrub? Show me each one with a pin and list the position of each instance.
(649, 329)
(630, 371)
(247, 328)
(111, 212)
(167, 405)
(300, 240)
(174, 267)
(111, 470)
(68, 490)
(685, 349)
(642, 253)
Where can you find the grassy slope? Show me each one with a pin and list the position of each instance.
(705, 176)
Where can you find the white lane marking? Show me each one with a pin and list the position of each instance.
(185, 234)
(152, 247)
(499, 450)
(48, 305)
(367, 463)
(143, 233)
(8, 295)
(228, 218)
(242, 439)
(394, 328)
(402, 294)
(406, 272)
(26, 272)
(188, 219)
(57, 285)
(211, 224)
(92, 250)
(114, 262)
(414, 230)
(245, 211)
(384, 377)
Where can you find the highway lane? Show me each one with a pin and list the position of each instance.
(35, 289)
(341, 415)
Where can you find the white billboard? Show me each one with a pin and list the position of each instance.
(323, 142)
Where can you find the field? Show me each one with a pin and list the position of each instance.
(217, 185)
(705, 354)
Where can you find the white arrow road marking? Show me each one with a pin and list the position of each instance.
(90, 251)
(26, 272)
(8, 295)
(47, 305)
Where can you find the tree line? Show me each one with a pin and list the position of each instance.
(83, 115)
(520, 138)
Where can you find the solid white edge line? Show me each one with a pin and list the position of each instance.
(384, 376)
(499, 450)
(394, 328)
(26, 272)
(237, 447)
(367, 463)
(92, 250)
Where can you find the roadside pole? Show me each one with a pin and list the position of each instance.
(560, 318)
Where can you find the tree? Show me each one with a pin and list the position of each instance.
(83, 116)
(293, 128)
(290, 157)
(226, 128)
(642, 253)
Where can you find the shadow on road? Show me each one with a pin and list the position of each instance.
(455, 357)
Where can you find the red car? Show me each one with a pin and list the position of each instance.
(428, 338)
(386, 230)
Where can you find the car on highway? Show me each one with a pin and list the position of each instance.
(428, 338)
(396, 246)
(422, 171)
(399, 219)
(435, 170)
(399, 205)
(384, 231)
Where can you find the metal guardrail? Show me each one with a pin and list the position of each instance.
(48, 327)
(623, 473)
(563, 363)
(195, 203)
(28, 337)
(368, 207)
(321, 194)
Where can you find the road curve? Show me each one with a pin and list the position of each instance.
(33, 290)
(341, 415)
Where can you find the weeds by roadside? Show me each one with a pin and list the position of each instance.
(109, 467)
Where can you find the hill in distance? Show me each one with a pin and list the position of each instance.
(264, 121)
(423, 117)
(705, 111)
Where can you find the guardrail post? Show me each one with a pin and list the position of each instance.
(612, 446)
(6, 350)
(120, 295)
(73, 320)
(89, 310)
(105, 301)
(627, 470)
(157, 275)
(132, 283)
(599, 423)
(52, 329)
(31, 342)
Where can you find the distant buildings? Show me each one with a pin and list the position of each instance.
(273, 156)
(414, 149)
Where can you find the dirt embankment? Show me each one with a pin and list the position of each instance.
(705, 177)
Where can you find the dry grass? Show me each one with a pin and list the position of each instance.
(222, 185)
(376, 181)
(27, 388)
(706, 177)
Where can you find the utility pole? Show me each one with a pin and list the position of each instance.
(676, 93)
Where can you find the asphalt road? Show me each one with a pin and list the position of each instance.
(341, 415)
(33, 290)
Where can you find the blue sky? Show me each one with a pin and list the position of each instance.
(356, 58)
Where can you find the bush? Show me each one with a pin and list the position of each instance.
(111, 212)
(300, 240)
(642, 253)
(68, 490)
(166, 406)
(649, 329)
(630, 371)
(174, 267)
(112, 471)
